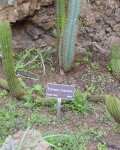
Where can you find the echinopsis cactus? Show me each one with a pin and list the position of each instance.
(67, 12)
(60, 15)
(60, 24)
(115, 61)
(69, 36)
(113, 106)
(7, 57)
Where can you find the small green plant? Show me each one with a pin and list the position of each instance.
(39, 89)
(74, 140)
(38, 119)
(106, 117)
(90, 88)
(95, 65)
(78, 62)
(102, 146)
(66, 141)
(3, 93)
(89, 53)
(14, 117)
(85, 58)
(32, 59)
(79, 104)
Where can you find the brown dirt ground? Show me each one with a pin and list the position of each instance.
(82, 76)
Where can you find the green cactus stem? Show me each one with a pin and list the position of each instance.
(69, 36)
(60, 15)
(113, 107)
(3, 84)
(60, 24)
(115, 61)
(7, 55)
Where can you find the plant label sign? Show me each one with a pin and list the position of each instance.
(60, 91)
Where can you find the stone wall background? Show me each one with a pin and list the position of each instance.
(33, 24)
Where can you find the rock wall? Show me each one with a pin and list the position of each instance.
(33, 24)
(101, 25)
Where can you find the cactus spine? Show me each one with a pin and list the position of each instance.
(6, 44)
(69, 36)
(113, 106)
(115, 61)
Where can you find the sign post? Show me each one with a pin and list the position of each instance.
(60, 91)
(58, 108)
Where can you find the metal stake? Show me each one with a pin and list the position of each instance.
(58, 109)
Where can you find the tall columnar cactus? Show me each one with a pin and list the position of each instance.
(7, 57)
(113, 106)
(60, 24)
(115, 61)
(69, 36)
(60, 15)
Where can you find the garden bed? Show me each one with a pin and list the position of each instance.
(86, 124)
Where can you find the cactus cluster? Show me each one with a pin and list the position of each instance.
(7, 57)
(113, 106)
(115, 61)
